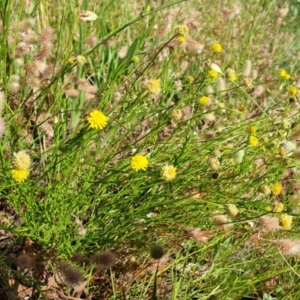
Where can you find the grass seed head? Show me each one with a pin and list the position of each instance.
(2, 127)
(25, 261)
(157, 251)
(104, 259)
(71, 275)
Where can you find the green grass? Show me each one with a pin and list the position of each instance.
(82, 195)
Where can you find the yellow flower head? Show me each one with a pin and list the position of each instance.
(252, 129)
(204, 100)
(253, 140)
(168, 172)
(181, 39)
(286, 221)
(265, 190)
(213, 73)
(293, 91)
(71, 59)
(97, 119)
(231, 74)
(177, 114)
(190, 79)
(21, 160)
(284, 74)
(153, 86)
(278, 207)
(81, 59)
(136, 59)
(19, 175)
(248, 82)
(139, 162)
(216, 47)
(182, 30)
(276, 188)
(233, 78)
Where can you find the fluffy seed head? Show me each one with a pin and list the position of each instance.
(25, 261)
(157, 251)
(247, 68)
(288, 247)
(21, 160)
(269, 223)
(199, 235)
(78, 258)
(71, 275)
(2, 127)
(104, 259)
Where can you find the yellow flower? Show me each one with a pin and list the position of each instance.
(21, 160)
(276, 188)
(213, 73)
(139, 162)
(136, 58)
(168, 172)
(177, 114)
(248, 82)
(153, 86)
(286, 221)
(252, 129)
(97, 119)
(216, 47)
(293, 91)
(253, 140)
(278, 207)
(284, 74)
(233, 78)
(19, 175)
(182, 30)
(231, 74)
(190, 79)
(81, 59)
(71, 60)
(265, 190)
(204, 100)
(181, 39)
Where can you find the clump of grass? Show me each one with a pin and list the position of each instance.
(147, 122)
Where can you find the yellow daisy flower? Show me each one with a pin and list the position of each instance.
(139, 162)
(97, 119)
(19, 175)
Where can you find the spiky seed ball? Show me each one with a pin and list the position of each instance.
(25, 261)
(104, 259)
(157, 251)
(78, 258)
(71, 275)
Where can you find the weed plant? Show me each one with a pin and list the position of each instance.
(149, 149)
